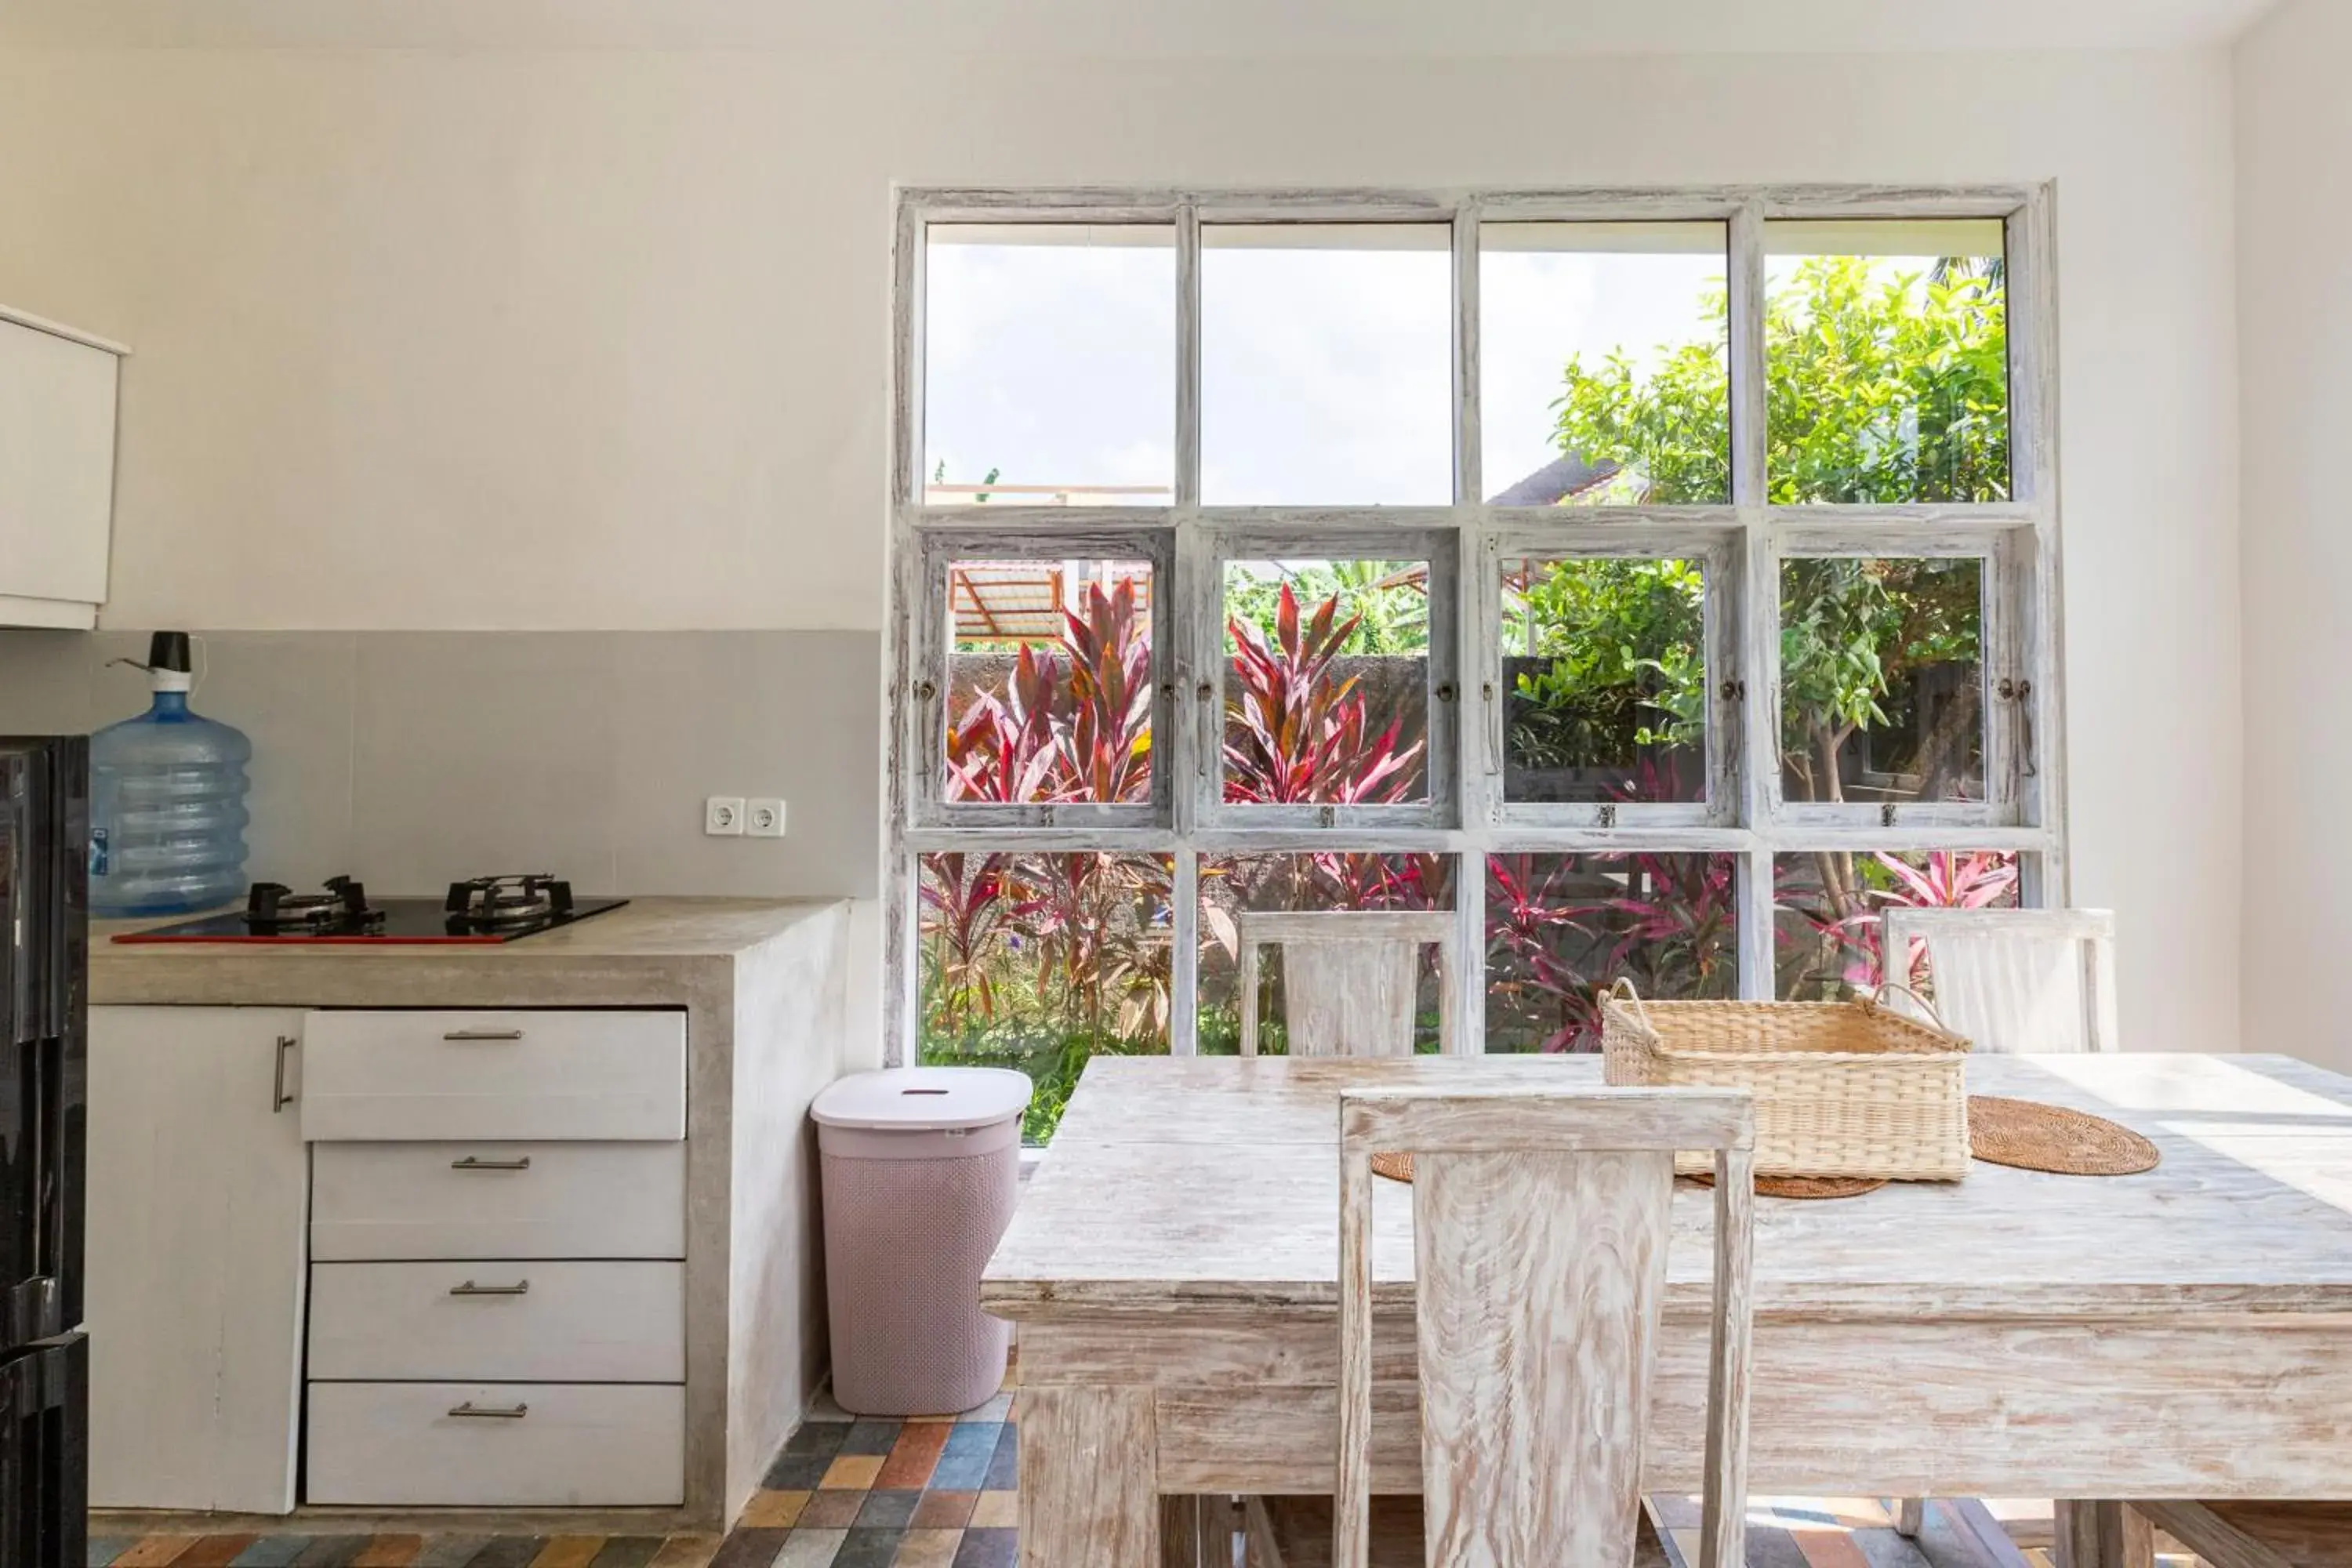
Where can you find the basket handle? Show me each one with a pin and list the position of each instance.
(1621, 990)
(1926, 1008)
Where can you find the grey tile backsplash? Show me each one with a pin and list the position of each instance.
(412, 758)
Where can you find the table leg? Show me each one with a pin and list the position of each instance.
(2102, 1534)
(1089, 1478)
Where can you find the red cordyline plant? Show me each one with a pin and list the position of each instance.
(1975, 880)
(1528, 921)
(1073, 724)
(1294, 732)
(1563, 951)
(965, 901)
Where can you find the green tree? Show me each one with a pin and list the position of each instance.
(1622, 638)
(1882, 388)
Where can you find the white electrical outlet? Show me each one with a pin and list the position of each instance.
(722, 815)
(763, 817)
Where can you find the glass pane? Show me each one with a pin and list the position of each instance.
(1604, 666)
(1327, 685)
(1826, 909)
(1040, 963)
(1561, 929)
(1339, 879)
(1604, 371)
(1049, 365)
(1881, 680)
(1049, 682)
(1327, 364)
(1887, 350)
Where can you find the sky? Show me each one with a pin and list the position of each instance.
(1326, 350)
(1324, 371)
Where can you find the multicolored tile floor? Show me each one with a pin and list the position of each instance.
(939, 1492)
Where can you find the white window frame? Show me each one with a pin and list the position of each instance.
(1467, 817)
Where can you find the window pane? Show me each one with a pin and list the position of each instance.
(1826, 908)
(1326, 355)
(1561, 929)
(1604, 666)
(1887, 350)
(1049, 365)
(1327, 684)
(1340, 879)
(1881, 680)
(1604, 374)
(1040, 963)
(1049, 682)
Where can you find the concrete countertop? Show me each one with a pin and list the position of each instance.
(651, 952)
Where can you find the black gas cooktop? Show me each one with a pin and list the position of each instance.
(483, 909)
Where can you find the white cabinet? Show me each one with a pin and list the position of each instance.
(498, 1445)
(517, 1074)
(381, 1202)
(198, 1198)
(57, 471)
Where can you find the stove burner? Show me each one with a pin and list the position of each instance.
(275, 906)
(520, 899)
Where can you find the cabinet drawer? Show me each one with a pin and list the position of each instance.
(397, 1444)
(516, 1320)
(386, 1202)
(505, 1074)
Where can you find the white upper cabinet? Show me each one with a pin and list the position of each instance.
(57, 471)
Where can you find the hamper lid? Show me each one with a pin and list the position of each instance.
(923, 1100)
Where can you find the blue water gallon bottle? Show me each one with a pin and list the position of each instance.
(167, 812)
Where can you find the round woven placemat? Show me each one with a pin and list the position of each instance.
(1398, 1168)
(2035, 1137)
(1806, 1187)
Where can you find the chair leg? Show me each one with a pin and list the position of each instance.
(2103, 1534)
(1197, 1531)
(1259, 1547)
(1910, 1517)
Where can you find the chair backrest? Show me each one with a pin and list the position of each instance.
(1351, 978)
(1540, 1220)
(2013, 980)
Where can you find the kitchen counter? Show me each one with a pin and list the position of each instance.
(765, 987)
(649, 952)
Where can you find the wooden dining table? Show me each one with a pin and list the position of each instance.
(2186, 1332)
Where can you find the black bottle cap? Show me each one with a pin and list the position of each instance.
(169, 650)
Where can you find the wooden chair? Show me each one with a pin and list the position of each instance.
(1350, 979)
(2014, 980)
(2010, 981)
(1540, 1223)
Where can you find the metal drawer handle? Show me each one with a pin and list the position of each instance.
(279, 1098)
(470, 1288)
(489, 1413)
(483, 1035)
(476, 1163)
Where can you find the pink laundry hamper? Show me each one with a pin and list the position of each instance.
(922, 1171)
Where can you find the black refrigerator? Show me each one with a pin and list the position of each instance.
(44, 1013)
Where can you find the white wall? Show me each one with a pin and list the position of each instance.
(2295, 148)
(598, 341)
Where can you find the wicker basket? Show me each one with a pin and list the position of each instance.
(1842, 1088)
